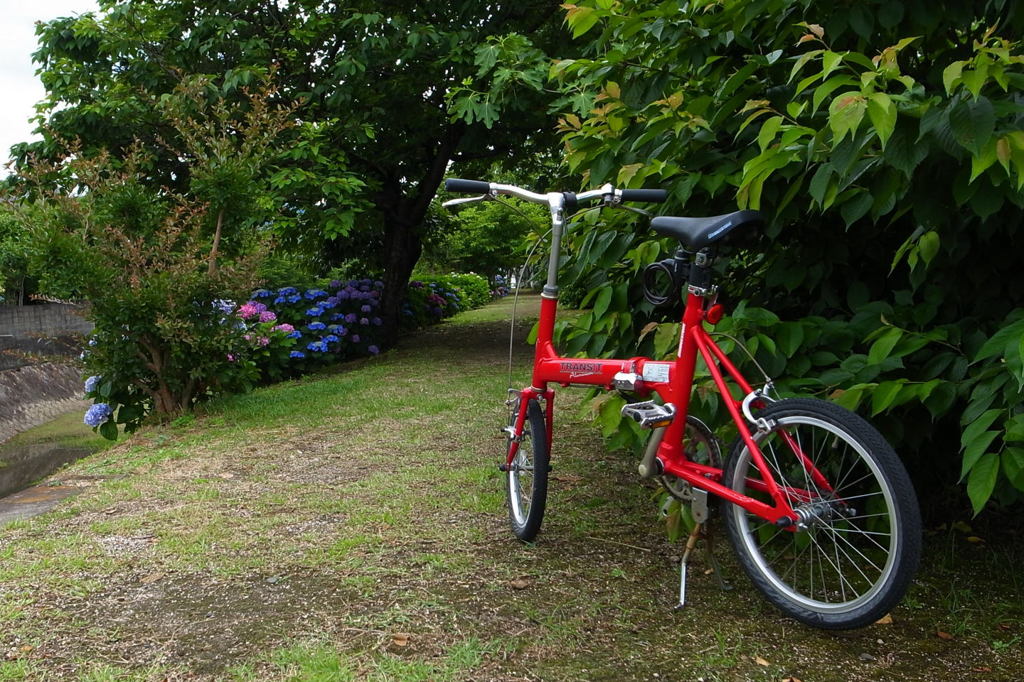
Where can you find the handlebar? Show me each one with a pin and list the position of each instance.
(606, 193)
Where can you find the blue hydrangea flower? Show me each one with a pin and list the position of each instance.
(91, 383)
(97, 414)
(279, 300)
(294, 298)
(331, 338)
(363, 321)
(295, 334)
(288, 291)
(317, 347)
(296, 354)
(335, 284)
(379, 284)
(314, 312)
(317, 326)
(92, 341)
(262, 293)
(377, 321)
(313, 294)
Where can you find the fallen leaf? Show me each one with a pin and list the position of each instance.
(761, 661)
(884, 620)
(519, 584)
(975, 539)
(791, 679)
(944, 635)
(1004, 626)
(401, 638)
(982, 669)
(25, 648)
(151, 578)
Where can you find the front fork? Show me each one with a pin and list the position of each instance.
(515, 430)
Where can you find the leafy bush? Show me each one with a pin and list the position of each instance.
(900, 121)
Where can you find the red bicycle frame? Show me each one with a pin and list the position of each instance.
(551, 368)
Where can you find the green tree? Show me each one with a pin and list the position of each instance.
(883, 142)
(372, 82)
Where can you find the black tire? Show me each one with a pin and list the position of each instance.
(865, 533)
(526, 482)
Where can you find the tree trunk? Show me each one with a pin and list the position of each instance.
(212, 270)
(403, 216)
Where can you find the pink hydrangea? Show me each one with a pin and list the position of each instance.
(286, 328)
(264, 340)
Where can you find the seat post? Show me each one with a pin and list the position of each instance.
(700, 271)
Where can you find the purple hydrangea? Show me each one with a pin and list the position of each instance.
(366, 309)
(373, 349)
(268, 316)
(377, 321)
(355, 338)
(91, 383)
(97, 414)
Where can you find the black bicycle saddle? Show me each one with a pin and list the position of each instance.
(696, 233)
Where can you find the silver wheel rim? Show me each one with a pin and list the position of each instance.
(850, 542)
(522, 466)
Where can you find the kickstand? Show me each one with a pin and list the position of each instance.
(690, 544)
(697, 533)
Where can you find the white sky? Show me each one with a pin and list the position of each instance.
(20, 88)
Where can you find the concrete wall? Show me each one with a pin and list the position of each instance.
(34, 330)
(33, 395)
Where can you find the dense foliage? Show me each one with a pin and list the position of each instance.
(154, 264)
(882, 140)
(372, 86)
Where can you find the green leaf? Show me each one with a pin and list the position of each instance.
(604, 298)
(581, 19)
(883, 345)
(1013, 466)
(108, 430)
(997, 343)
(951, 74)
(982, 480)
(845, 114)
(885, 394)
(790, 336)
(882, 113)
(769, 129)
(928, 246)
(972, 124)
(975, 450)
(981, 162)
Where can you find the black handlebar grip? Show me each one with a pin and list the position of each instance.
(654, 196)
(468, 186)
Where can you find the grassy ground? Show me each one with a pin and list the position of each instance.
(352, 526)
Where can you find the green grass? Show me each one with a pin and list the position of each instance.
(351, 525)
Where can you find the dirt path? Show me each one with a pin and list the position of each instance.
(352, 526)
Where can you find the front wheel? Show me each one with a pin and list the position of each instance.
(856, 543)
(526, 482)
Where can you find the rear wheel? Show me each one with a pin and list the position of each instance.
(526, 481)
(856, 543)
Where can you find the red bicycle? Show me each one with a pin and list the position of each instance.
(822, 515)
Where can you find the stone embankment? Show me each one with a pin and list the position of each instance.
(35, 394)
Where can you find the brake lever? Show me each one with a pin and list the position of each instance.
(466, 200)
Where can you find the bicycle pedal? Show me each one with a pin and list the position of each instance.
(649, 414)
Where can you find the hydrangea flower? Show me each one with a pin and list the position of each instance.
(296, 354)
(284, 327)
(264, 341)
(355, 338)
(262, 293)
(280, 300)
(91, 384)
(294, 298)
(366, 309)
(317, 326)
(314, 312)
(363, 321)
(296, 334)
(287, 291)
(268, 316)
(331, 338)
(313, 294)
(317, 347)
(351, 318)
(225, 306)
(97, 414)
(373, 350)
(335, 284)
(377, 321)
(344, 294)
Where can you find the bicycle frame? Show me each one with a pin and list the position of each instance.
(673, 382)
